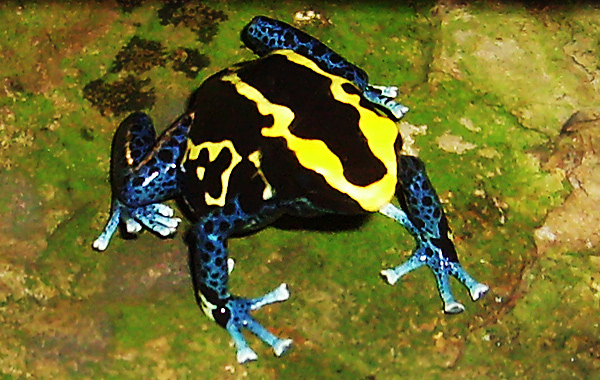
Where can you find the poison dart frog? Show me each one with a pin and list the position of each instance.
(298, 131)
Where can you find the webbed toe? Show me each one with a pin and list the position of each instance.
(239, 319)
(442, 269)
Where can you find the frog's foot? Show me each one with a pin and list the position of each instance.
(384, 96)
(442, 268)
(239, 309)
(156, 217)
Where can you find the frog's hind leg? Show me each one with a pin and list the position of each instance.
(210, 274)
(264, 35)
(422, 215)
(144, 173)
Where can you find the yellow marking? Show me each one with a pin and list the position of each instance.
(255, 158)
(207, 307)
(314, 155)
(214, 148)
(200, 172)
(128, 155)
(185, 155)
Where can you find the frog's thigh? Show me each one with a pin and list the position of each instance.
(133, 140)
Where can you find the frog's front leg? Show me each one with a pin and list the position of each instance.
(210, 274)
(264, 35)
(144, 172)
(423, 216)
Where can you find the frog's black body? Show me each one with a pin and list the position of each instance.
(295, 132)
(281, 174)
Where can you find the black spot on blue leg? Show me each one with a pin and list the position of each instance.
(427, 201)
(209, 247)
(219, 261)
(165, 155)
(208, 227)
(224, 226)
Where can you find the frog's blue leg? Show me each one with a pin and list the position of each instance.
(424, 218)
(144, 172)
(264, 35)
(210, 274)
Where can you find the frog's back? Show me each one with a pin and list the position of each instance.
(279, 127)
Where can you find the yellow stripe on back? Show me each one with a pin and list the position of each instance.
(314, 155)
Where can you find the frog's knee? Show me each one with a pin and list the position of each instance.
(133, 140)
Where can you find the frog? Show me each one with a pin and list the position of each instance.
(299, 131)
